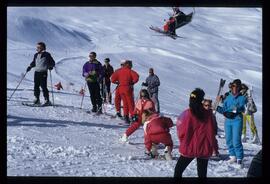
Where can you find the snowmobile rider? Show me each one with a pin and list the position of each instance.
(169, 26)
(178, 15)
(42, 62)
(93, 73)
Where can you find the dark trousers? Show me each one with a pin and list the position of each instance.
(95, 96)
(40, 80)
(183, 162)
(106, 89)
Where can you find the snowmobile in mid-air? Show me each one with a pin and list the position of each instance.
(180, 20)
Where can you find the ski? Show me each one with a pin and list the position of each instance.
(35, 105)
(220, 88)
(146, 157)
(158, 30)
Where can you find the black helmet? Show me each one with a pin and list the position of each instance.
(107, 60)
(237, 82)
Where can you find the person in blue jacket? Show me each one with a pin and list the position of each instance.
(232, 109)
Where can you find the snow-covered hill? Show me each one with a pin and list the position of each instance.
(64, 140)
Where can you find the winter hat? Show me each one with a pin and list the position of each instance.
(107, 60)
(237, 82)
(197, 95)
(128, 63)
(122, 62)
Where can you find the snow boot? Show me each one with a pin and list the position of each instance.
(118, 114)
(154, 152)
(99, 110)
(239, 164)
(244, 138)
(94, 109)
(47, 102)
(124, 138)
(168, 153)
(255, 139)
(126, 118)
(231, 160)
(36, 101)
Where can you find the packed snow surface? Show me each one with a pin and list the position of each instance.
(66, 141)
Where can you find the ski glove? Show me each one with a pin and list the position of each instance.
(50, 68)
(28, 68)
(144, 84)
(134, 118)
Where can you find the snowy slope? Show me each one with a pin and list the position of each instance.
(66, 141)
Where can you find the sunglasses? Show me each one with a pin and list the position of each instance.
(206, 105)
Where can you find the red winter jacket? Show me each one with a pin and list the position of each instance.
(197, 138)
(156, 124)
(157, 130)
(125, 77)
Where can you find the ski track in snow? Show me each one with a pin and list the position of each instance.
(66, 141)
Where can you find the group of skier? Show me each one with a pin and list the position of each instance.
(196, 126)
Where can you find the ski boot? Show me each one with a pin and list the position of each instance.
(168, 153)
(154, 152)
(47, 102)
(36, 101)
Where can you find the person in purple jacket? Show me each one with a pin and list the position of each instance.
(93, 73)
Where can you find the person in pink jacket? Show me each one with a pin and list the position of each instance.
(143, 103)
(195, 131)
(157, 130)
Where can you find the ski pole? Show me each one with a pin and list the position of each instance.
(51, 86)
(83, 94)
(17, 86)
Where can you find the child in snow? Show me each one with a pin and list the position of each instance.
(195, 130)
(157, 130)
(143, 103)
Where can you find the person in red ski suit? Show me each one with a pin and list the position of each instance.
(196, 134)
(117, 97)
(157, 130)
(126, 78)
(142, 104)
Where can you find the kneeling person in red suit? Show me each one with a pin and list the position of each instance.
(157, 130)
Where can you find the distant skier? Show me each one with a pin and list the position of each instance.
(169, 26)
(248, 115)
(232, 109)
(126, 78)
(117, 97)
(195, 130)
(207, 104)
(93, 73)
(42, 62)
(108, 71)
(152, 82)
(157, 130)
(142, 104)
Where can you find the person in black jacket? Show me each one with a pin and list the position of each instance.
(255, 168)
(108, 71)
(42, 62)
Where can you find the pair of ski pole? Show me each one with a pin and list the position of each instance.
(21, 82)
